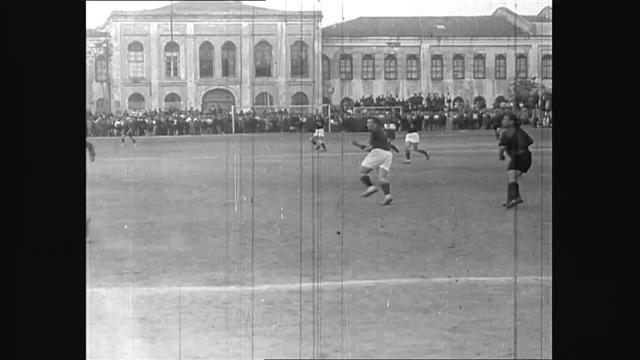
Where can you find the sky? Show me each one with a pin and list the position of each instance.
(333, 10)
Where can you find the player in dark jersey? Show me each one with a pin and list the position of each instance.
(515, 142)
(412, 140)
(92, 151)
(379, 158)
(92, 156)
(127, 130)
(318, 136)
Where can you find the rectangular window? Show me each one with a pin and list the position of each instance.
(479, 66)
(368, 67)
(521, 67)
(101, 70)
(390, 68)
(136, 64)
(501, 67)
(458, 67)
(346, 67)
(546, 67)
(171, 64)
(437, 72)
(413, 68)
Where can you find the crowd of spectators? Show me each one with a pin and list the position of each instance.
(430, 112)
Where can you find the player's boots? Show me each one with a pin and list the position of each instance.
(406, 161)
(370, 191)
(388, 199)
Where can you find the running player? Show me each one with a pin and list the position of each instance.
(515, 142)
(318, 136)
(379, 158)
(92, 156)
(127, 130)
(412, 140)
(92, 151)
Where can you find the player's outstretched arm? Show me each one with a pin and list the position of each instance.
(393, 147)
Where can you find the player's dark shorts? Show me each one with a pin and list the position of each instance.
(521, 162)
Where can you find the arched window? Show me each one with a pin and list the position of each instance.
(206, 60)
(172, 101)
(262, 53)
(135, 58)
(546, 66)
(368, 67)
(501, 66)
(228, 59)
(326, 68)
(390, 67)
(437, 72)
(101, 68)
(299, 59)
(136, 102)
(521, 66)
(480, 102)
(479, 66)
(458, 66)
(346, 67)
(263, 99)
(413, 67)
(299, 98)
(172, 59)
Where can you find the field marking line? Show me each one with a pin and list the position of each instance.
(324, 284)
(284, 156)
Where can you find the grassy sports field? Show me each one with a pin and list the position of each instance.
(255, 246)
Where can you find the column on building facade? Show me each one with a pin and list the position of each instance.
(246, 70)
(281, 99)
(117, 66)
(425, 68)
(534, 61)
(190, 64)
(154, 40)
(317, 59)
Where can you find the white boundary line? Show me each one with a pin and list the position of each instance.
(282, 156)
(308, 285)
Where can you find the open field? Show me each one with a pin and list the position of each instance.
(181, 263)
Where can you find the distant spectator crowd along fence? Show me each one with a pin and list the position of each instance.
(431, 114)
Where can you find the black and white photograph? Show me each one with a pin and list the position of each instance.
(318, 179)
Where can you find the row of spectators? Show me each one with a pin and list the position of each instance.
(435, 102)
(195, 122)
(432, 102)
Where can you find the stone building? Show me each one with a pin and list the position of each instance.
(467, 57)
(217, 54)
(212, 54)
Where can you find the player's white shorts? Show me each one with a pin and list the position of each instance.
(319, 133)
(413, 138)
(378, 158)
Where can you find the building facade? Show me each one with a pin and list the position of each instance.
(466, 57)
(221, 54)
(212, 54)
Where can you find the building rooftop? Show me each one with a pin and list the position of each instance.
(447, 26)
(186, 8)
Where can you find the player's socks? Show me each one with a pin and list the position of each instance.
(424, 153)
(517, 197)
(366, 180)
(323, 146)
(386, 188)
(408, 154)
